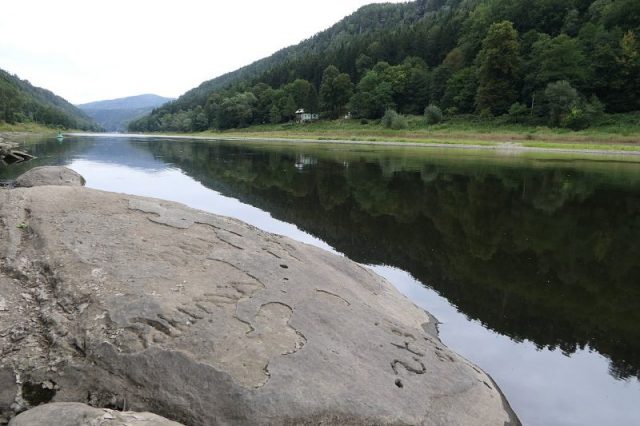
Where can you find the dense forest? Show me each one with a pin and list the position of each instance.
(554, 62)
(20, 102)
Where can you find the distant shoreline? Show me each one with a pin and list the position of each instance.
(498, 147)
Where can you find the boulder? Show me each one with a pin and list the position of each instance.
(9, 153)
(120, 301)
(49, 175)
(76, 414)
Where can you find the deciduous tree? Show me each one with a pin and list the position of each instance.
(499, 66)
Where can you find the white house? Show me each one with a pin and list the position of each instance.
(305, 117)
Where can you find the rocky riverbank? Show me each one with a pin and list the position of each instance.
(131, 303)
(9, 153)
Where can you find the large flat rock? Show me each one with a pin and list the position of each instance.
(119, 301)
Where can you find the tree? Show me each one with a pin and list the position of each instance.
(602, 50)
(517, 112)
(199, 122)
(335, 91)
(411, 89)
(236, 111)
(303, 93)
(265, 98)
(433, 114)
(629, 65)
(561, 97)
(9, 102)
(274, 115)
(211, 109)
(499, 65)
(454, 60)
(363, 64)
(555, 59)
(373, 96)
(460, 90)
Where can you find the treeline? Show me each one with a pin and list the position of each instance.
(560, 62)
(20, 102)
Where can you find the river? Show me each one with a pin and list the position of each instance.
(531, 262)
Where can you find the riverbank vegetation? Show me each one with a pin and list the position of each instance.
(612, 132)
(29, 127)
(553, 63)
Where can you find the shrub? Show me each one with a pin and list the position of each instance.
(486, 114)
(364, 121)
(387, 118)
(575, 119)
(561, 99)
(393, 120)
(433, 114)
(517, 112)
(583, 114)
(451, 111)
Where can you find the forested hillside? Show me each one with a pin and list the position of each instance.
(115, 115)
(20, 102)
(556, 62)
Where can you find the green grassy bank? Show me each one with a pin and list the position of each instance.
(613, 132)
(27, 128)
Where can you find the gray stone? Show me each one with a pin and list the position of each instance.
(49, 175)
(9, 153)
(8, 392)
(76, 414)
(152, 306)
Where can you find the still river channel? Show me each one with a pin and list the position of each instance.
(531, 263)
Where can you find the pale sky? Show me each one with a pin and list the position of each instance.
(86, 50)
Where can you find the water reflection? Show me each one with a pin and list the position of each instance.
(545, 254)
(48, 152)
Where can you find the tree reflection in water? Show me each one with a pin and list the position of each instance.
(540, 251)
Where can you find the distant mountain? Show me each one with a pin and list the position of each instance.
(21, 102)
(115, 114)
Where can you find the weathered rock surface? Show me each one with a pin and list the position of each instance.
(9, 153)
(114, 301)
(76, 414)
(49, 175)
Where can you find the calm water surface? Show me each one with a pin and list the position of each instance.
(532, 264)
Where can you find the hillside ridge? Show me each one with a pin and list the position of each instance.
(561, 63)
(22, 102)
(114, 115)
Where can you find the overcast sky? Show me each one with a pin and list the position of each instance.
(88, 50)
